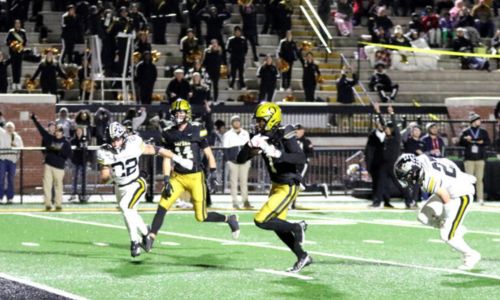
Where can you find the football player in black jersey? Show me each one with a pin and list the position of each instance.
(188, 140)
(282, 156)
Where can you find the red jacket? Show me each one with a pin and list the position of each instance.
(430, 22)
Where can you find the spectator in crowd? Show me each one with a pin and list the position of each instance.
(447, 29)
(178, 87)
(430, 23)
(189, 46)
(483, 16)
(214, 20)
(18, 35)
(475, 140)
(200, 69)
(466, 21)
(268, 75)
(345, 85)
(84, 121)
(248, 14)
(200, 101)
(310, 76)
(58, 150)
(213, 59)
(142, 45)
(4, 84)
(139, 21)
(237, 48)
(288, 51)
(495, 46)
(48, 69)
(433, 143)
(414, 145)
(443, 6)
(145, 78)
(269, 21)
(463, 44)
(194, 8)
(215, 139)
(456, 9)
(233, 140)
(407, 131)
(118, 31)
(373, 152)
(69, 35)
(283, 16)
(159, 20)
(9, 139)
(343, 17)
(398, 38)
(416, 23)
(382, 84)
(324, 10)
(102, 119)
(66, 122)
(382, 21)
(390, 153)
(79, 141)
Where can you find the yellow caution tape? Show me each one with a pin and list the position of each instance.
(431, 51)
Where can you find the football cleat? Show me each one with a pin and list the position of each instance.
(135, 249)
(235, 227)
(147, 241)
(470, 261)
(303, 262)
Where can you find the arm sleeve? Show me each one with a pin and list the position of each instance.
(45, 134)
(37, 72)
(292, 153)
(486, 138)
(244, 155)
(431, 184)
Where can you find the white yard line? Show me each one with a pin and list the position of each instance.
(42, 287)
(30, 244)
(318, 253)
(283, 273)
(397, 223)
(373, 242)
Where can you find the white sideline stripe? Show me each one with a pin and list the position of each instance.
(30, 244)
(236, 243)
(401, 223)
(496, 240)
(339, 256)
(436, 241)
(286, 274)
(169, 244)
(42, 287)
(100, 244)
(373, 242)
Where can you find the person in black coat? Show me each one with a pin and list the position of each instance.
(237, 47)
(159, 20)
(214, 20)
(79, 141)
(3, 74)
(200, 96)
(178, 87)
(48, 69)
(248, 14)
(142, 43)
(145, 78)
(102, 119)
(188, 45)
(212, 61)
(373, 152)
(118, 29)
(382, 83)
(194, 7)
(283, 16)
(288, 51)
(69, 35)
(16, 57)
(309, 76)
(345, 85)
(268, 74)
(139, 21)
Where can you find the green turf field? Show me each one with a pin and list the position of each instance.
(369, 254)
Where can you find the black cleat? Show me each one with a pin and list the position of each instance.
(303, 262)
(147, 241)
(235, 227)
(135, 249)
(388, 205)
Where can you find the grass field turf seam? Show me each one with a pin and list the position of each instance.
(334, 277)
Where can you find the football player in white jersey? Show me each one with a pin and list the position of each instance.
(119, 163)
(452, 190)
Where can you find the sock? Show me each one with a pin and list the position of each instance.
(289, 240)
(129, 217)
(277, 225)
(158, 219)
(143, 229)
(215, 217)
(460, 245)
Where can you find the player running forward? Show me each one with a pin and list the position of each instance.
(119, 163)
(282, 156)
(452, 191)
(188, 139)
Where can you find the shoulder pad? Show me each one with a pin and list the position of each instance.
(288, 131)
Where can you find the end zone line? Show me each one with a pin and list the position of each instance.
(339, 256)
(42, 287)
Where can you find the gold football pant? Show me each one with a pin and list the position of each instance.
(280, 198)
(194, 183)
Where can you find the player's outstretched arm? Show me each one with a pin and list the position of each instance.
(167, 154)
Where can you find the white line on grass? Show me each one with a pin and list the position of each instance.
(169, 244)
(397, 223)
(338, 256)
(42, 287)
(286, 274)
(29, 244)
(496, 240)
(373, 242)
(100, 244)
(436, 241)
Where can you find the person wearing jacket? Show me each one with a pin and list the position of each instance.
(79, 141)
(48, 69)
(268, 74)
(288, 51)
(9, 138)
(433, 143)
(58, 150)
(475, 140)
(248, 14)
(309, 76)
(237, 47)
(345, 85)
(382, 84)
(146, 74)
(16, 34)
(213, 59)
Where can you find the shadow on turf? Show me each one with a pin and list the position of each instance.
(468, 282)
(300, 289)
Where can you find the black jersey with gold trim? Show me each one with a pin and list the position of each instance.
(188, 143)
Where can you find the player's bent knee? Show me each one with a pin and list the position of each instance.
(200, 218)
(259, 223)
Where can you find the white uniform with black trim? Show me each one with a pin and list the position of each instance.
(443, 173)
(130, 188)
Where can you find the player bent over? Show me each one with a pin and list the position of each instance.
(188, 139)
(119, 163)
(282, 156)
(452, 192)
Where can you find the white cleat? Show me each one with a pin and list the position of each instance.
(470, 261)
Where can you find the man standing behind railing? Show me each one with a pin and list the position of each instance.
(8, 160)
(233, 141)
(58, 150)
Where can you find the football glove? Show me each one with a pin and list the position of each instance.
(257, 141)
(167, 188)
(270, 150)
(212, 181)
